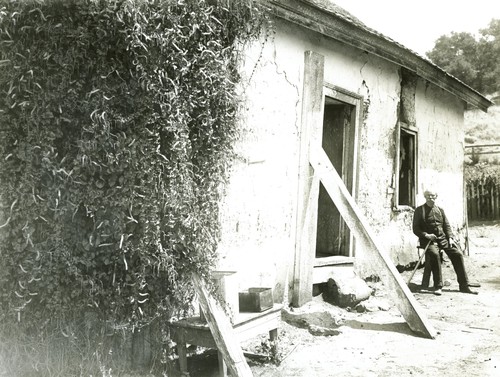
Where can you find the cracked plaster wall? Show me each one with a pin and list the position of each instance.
(259, 212)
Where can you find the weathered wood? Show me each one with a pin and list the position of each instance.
(222, 365)
(182, 351)
(308, 189)
(222, 331)
(195, 331)
(305, 259)
(483, 199)
(333, 260)
(259, 322)
(323, 273)
(381, 263)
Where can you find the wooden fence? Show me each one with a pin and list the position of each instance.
(483, 199)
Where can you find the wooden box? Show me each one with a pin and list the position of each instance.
(255, 300)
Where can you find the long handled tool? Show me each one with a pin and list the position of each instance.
(419, 262)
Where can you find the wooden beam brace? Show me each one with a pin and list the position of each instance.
(307, 244)
(381, 263)
(222, 331)
(311, 132)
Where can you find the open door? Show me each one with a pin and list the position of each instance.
(334, 246)
(333, 236)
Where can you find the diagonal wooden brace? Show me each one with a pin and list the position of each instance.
(355, 220)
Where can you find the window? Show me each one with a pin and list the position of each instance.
(406, 167)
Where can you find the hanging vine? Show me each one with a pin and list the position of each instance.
(117, 120)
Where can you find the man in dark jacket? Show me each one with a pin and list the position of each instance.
(431, 225)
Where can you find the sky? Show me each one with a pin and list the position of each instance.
(417, 24)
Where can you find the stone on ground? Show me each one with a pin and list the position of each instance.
(347, 290)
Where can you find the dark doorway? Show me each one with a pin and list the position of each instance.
(333, 236)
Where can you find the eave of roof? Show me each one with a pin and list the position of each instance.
(334, 22)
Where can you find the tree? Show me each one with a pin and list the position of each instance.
(489, 52)
(475, 61)
(458, 55)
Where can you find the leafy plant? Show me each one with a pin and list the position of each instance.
(117, 120)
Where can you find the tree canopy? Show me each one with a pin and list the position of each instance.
(473, 60)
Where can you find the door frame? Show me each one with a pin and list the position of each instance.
(311, 130)
(350, 162)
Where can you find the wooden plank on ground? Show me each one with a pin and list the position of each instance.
(398, 290)
(222, 331)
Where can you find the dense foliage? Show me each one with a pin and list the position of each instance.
(475, 61)
(481, 172)
(117, 120)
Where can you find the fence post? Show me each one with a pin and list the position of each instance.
(483, 198)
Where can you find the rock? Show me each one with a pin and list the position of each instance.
(367, 306)
(384, 305)
(347, 291)
(322, 331)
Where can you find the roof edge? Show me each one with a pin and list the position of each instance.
(349, 30)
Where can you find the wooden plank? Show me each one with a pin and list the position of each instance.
(323, 273)
(182, 351)
(381, 263)
(303, 280)
(222, 365)
(308, 189)
(333, 260)
(200, 336)
(252, 329)
(222, 331)
(246, 317)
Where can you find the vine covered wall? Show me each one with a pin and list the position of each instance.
(117, 120)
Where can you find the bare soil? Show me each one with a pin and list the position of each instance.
(380, 343)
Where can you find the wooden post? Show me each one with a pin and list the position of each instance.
(481, 200)
(380, 262)
(496, 204)
(466, 221)
(492, 198)
(308, 190)
(181, 349)
(478, 199)
(222, 331)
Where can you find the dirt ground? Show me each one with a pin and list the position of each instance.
(380, 343)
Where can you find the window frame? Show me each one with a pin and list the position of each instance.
(404, 127)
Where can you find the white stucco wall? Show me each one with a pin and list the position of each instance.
(260, 209)
(439, 120)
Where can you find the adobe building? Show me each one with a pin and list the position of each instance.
(391, 123)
